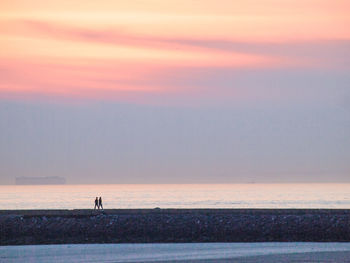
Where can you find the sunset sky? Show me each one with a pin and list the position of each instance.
(175, 91)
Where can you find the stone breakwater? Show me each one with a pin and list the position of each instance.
(19, 227)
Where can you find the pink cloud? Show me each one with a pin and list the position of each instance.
(130, 80)
(332, 53)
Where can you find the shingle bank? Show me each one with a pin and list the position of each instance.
(18, 227)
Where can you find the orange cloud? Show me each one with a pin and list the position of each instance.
(78, 49)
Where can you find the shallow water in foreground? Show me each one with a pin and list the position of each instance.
(177, 196)
(190, 252)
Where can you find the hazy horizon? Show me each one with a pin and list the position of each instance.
(345, 181)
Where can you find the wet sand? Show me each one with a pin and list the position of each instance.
(179, 253)
(315, 257)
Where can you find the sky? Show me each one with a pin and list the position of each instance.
(175, 91)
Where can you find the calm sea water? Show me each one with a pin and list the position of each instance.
(177, 196)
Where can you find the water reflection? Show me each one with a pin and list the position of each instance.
(177, 196)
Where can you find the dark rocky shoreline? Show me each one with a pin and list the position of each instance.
(27, 227)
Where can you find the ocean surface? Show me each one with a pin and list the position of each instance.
(176, 196)
(180, 253)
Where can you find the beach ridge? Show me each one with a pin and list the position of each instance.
(27, 227)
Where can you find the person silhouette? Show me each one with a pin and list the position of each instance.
(96, 204)
(100, 203)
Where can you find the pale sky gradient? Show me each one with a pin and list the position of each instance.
(175, 91)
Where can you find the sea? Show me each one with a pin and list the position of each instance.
(114, 196)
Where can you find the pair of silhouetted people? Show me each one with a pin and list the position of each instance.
(98, 203)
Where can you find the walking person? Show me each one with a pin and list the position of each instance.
(96, 204)
(100, 203)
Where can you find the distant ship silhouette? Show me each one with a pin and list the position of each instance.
(40, 180)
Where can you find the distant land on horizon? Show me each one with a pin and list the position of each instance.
(57, 180)
(40, 180)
